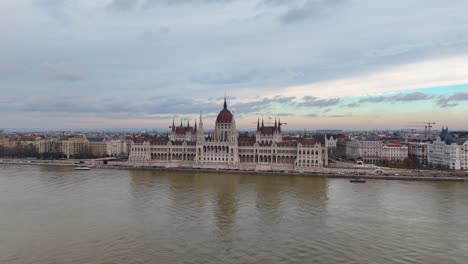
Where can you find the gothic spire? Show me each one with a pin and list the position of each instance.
(262, 122)
(258, 123)
(201, 120)
(225, 103)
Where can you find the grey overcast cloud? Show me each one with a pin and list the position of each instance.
(139, 63)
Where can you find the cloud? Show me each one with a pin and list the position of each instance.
(60, 72)
(284, 114)
(314, 115)
(340, 116)
(146, 58)
(309, 10)
(310, 101)
(353, 105)
(450, 71)
(403, 97)
(159, 105)
(452, 100)
(134, 4)
(258, 106)
(123, 4)
(225, 78)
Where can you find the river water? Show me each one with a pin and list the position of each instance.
(59, 215)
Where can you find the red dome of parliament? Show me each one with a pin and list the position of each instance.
(225, 116)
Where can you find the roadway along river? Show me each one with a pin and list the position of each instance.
(58, 215)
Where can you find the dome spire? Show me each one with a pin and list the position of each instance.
(225, 103)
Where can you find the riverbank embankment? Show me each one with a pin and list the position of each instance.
(345, 173)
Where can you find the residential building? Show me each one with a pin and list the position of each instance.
(116, 148)
(418, 150)
(75, 146)
(368, 150)
(373, 150)
(394, 152)
(49, 146)
(449, 151)
(97, 146)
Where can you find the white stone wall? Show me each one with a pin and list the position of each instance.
(116, 148)
(394, 153)
(451, 156)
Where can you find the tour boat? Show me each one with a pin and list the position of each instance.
(82, 168)
(359, 180)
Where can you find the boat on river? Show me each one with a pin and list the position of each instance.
(357, 180)
(82, 168)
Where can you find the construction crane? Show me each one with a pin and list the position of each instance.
(427, 127)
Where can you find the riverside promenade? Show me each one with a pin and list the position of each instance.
(367, 173)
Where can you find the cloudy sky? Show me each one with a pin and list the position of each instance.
(348, 64)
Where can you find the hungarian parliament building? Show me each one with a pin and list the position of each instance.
(225, 148)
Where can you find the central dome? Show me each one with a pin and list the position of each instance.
(225, 116)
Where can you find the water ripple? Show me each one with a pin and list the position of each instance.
(58, 215)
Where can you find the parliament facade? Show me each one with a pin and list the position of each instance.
(225, 148)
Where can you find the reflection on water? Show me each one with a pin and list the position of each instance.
(58, 215)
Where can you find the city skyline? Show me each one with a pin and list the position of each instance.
(315, 64)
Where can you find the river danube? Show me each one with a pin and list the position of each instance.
(59, 215)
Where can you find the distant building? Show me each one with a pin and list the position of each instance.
(394, 152)
(449, 151)
(373, 150)
(418, 150)
(116, 148)
(331, 143)
(225, 148)
(369, 150)
(4, 141)
(97, 146)
(75, 147)
(49, 146)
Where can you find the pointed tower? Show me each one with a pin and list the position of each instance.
(200, 131)
(201, 120)
(258, 123)
(225, 103)
(173, 125)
